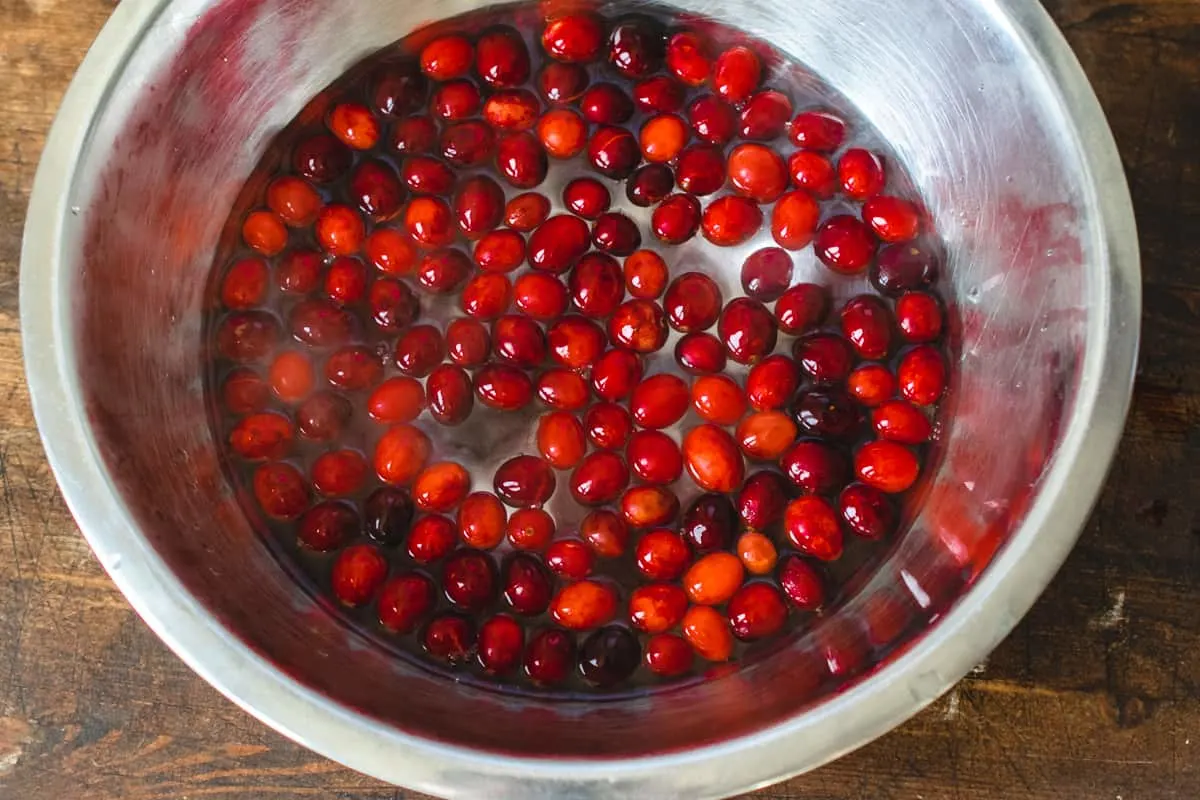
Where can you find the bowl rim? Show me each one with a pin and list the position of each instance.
(889, 696)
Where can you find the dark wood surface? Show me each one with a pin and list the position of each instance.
(1096, 694)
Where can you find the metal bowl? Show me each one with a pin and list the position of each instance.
(981, 99)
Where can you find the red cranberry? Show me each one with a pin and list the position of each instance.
(586, 197)
(801, 581)
(429, 221)
(609, 656)
(867, 324)
(427, 175)
(524, 481)
(401, 453)
(771, 383)
(522, 162)
(419, 350)
(718, 398)
(321, 158)
(449, 637)
(903, 267)
(486, 296)
(346, 281)
(867, 511)
(645, 274)
(575, 341)
(550, 657)
(811, 524)
(616, 233)
(892, 219)
(801, 308)
(636, 46)
(280, 490)
(766, 274)
(886, 466)
(432, 538)
(861, 173)
(657, 607)
(817, 130)
(662, 555)
(264, 231)
(339, 230)
(600, 478)
(540, 295)
(354, 368)
(658, 95)
(526, 211)
(606, 104)
(467, 342)
(747, 329)
(827, 412)
(814, 466)
(469, 143)
(563, 389)
(339, 472)
(762, 499)
(294, 200)
(562, 83)
(871, 384)
(391, 251)
(756, 611)
(710, 523)
(501, 58)
(713, 121)
(558, 243)
(692, 302)
(765, 115)
(676, 219)
(605, 532)
(447, 57)
(613, 152)
(298, 271)
(654, 457)
(503, 387)
(919, 317)
(638, 325)
(650, 184)
(794, 220)
(570, 558)
(615, 373)
(449, 390)
(757, 172)
(659, 401)
(244, 392)
(397, 400)
(320, 323)
(291, 376)
(530, 528)
(562, 132)
(560, 439)
(597, 285)
(668, 656)
(501, 641)
(700, 353)
(478, 206)
(457, 99)
(844, 244)
(608, 425)
(357, 574)
(921, 375)
(469, 579)
(518, 340)
(736, 75)
(526, 585)
(575, 38)
(731, 220)
(700, 169)
(263, 436)
(248, 336)
(323, 416)
(500, 251)
(399, 88)
(813, 173)
(404, 601)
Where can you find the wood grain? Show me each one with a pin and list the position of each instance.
(1096, 694)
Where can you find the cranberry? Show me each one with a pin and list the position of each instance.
(586, 197)
(294, 200)
(662, 555)
(676, 219)
(662, 138)
(731, 220)
(260, 437)
(668, 656)
(399, 88)
(771, 383)
(687, 57)
(636, 46)
(280, 490)
(522, 162)
(562, 83)
(357, 574)
(902, 267)
(570, 558)
(518, 340)
(320, 323)
(613, 152)
(482, 520)
(608, 425)
(813, 173)
(707, 631)
(817, 130)
(549, 657)
(540, 295)
(429, 221)
(747, 329)
(762, 499)
(388, 515)
(609, 656)
(605, 532)
(692, 302)
(291, 376)
(526, 211)
(718, 399)
(765, 115)
(659, 401)
(500, 251)
(501, 58)
(765, 435)
(892, 219)
(700, 353)
(469, 579)
(756, 611)
(638, 325)
(530, 529)
(615, 373)
(657, 608)
(886, 466)
(354, 368)
(801, 307)
(419, 350)
(574, 38)
(867, 511)
(918, 315)
(575, 342)
(596, 285)
(584, 605)
(757, 172)
(458, 99)
(802, 582)
(766, 274)
(650, 184)
(645, 274)
(478, 206)
(427, 175)
(826, 357)
(441, 486)
(844, 244)
(467, 342)
(757, 552)
(321, 158)
(616, 233)
(526, 585)
(401, 453)
(469, 143)
(486, 296)
(339, 473)
(397, 400)
(298, 271)
(860, 173)
(404, 601)
(661, 96)
(503, 387)
(524, 481)
(654, 457)
(391, 251)
(814, 466)
(562, 389)
(700, 169)
(606, 104)
(431, 539)
(794, 220)
(447, 57)
(921, 375)
(339, 230)
(713, 121)
(736, 74)
(501, 641)
(710, 523)
(647, 506)
(354, 125)
(323, 416)
(871, 384)
(827, 412)
(560, 439)
(244, 392)
(558, 243)
(811, 524)
(599, 478)
(712, 459)
(563, 133)
(449, 637)
(867, 324)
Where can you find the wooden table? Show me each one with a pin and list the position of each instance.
(1095, 695)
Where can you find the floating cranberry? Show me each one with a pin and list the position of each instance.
(636, 46)
(575, 341)
(429, 221)
(500, 251)
(648, 506)
(710, 522)
(657, 608)
(558, 243)
(654, 457)
(615, 373)
(459, 99)
(845, 244)
(762, 499)
(501, 641)
(605, 532)
(501, 58)
(811, 524)
(794, 220)
(867, 324)
(609, 656)
(700, 353)
(404, 601)
(469, 143)
(817, 130)
(613, 152)
(676, 219)
(530, 529)
(346, 281)
(659, 401)
(244, 392)
(707, 631)
(427, 175)
(570, 558)
(663, 137)
(280, 490)
(482, 520)
(388, 515)
(747, 329)
(919, 316)
(526, 211)
(444, 270)
(713, 121)
(668, 655)
(826, 357)
(599, 478)
(827, 412)
(649, 185)
(892, 219)
(736, 75)
(339, 230)
(261, 437)
(575, 38)
(586, 197)
(298, 271)
(921, 375)
(765, 435)
(757, 552)
(441, 486)
(692, 302)
(562, 83)
(638, 325)
(813, 173)
(903, 267)
(354, 368)
(645, 274)
(469, 579)
(801, 581)
(518, 340)
(771, 383)
(486, 296)
(320, 323)
(354, 125)
(757, 172)
(756, 611)
(766, 274)
(399, 88)
(323, 416)
(871, 384)
(401, 453)
(503, 387)
(861, 173)
(662, 555)
(391, 251)
(550, 657)
(294, 200)
(561, 440)
(867, 511)
(608, 425)
(700, 169)
(801, 307)
(731, 220)
(522, 162)
(616, 233)
(765, 115)
(524, 481)
(321, 158)
(712, 459)
(540, 295)
(687, 58)
(431, 539)
(291, 376)
(596, 285)
(513, 109)
(562, 132)
(419, 350)
(562, 389)
(449, 637)
(447, 57)
(478, 206)
(357, 574)
(584, 605)
(339, 473)
(467, 342)
(814, 466)
(718, 399)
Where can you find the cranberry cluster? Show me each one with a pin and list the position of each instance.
(423, 183)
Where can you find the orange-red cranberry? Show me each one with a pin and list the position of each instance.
(540, 295)
(265, 233)
(570, 558)
(482, 520)
(584, 605)
(441, 486)
(401, 453)
(575, 341)
(811, 524)
(574, 38)
(765, 435)
(563, 389)
(662, 138)
(530, 528)
(399, 399)
(757, 552)
(447, 57)
(718, 399)
(600, 478)
(860, 173)
(736, 74)
(891, 218)
(560, 439)
(659, 401)
(772, 382)
(638, 325)
(526, 211)
(431, 539)
(615, 373)
(794, 220)
(713, 578)
(648, 506)
(662, 555)
(391, 251)
(291, 376)
(512, 109)
(657, 608)
(294, 200)
(458, 99)
(712, 459)
(467, 342)
(429, 221)
(765, 115)
(357, 574)
(668, 655)
(645, 274)
(817, 130)
(355, 368)
(500, 251)
(339, 472)
(688, 59)
(354, 125)
(813, 173)
(919, 317)
(486, 296)
(562, 132)
(707, 631)
(262, 436)
(757, 172)
(730, 220)
(281, 491)
(871, 384)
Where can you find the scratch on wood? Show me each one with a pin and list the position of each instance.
(14, 735)
(1114, 617)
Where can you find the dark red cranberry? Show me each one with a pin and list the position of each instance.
(597, 285)
(321, 324)
(518, 340)
(478, 206)
(658, 95)
(376, 189)
(867, 511)
(710, 523)
(766, 274)
(501, 640)
(615, 373)
(845, 244)
(526, 585)
(575, 341)
(558, 243)
(399, 88)
(688, 58)
(713, 121)
(521, 160)
(606, 104)
(827, 412)
(861, 173)
(904, 267)
(323, 416)
(608, 425)
(540, 295)
(501, 58)
(448, 388)
(700, 353)
(919, 317)
(503, 387)
(827, 357)
(354, 368)
(613, 152)
(736, 75)
(692, 302)
(457, 99)
(450, 638)
(427, 175)
(609, 655)
(346, 280)
(321, 158)
(817, 130)
(298, 271)
(469, 143)
(636, 46)
(616, 233)
(469, 579)
(524, 481)
(731, 220)
(801, 308)
(248, 336)
(550, 657)
(600, 478)
(867, 324)
(404, 601)
(638, 325)
(419, 350)
(813, 173)
(467, 342)
(756, 611)
(747, 329)
(650, 184)
(605, 532)
(765, 116)
(761, 499)
(447, 57)
(586, 197)
(562, 83)
(245, 392)
(700, 169)
(574, 38)
(814, 466)
(327, 525)
(654, 457)
(676, 219)
(802, 582)
(570, 558)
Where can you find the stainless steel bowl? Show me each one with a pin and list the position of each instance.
(982, 100)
